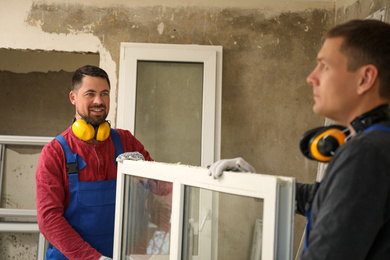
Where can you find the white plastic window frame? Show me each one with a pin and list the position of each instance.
(210, 56)
(277, 193)
(21, 227)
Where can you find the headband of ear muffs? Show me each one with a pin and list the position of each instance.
(322, 142)
(86, 131)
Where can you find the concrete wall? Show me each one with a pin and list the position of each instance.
(268, 50)
(352, 9)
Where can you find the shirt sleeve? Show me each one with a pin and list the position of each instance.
(52, 199)
(351, 205)
(132, 144)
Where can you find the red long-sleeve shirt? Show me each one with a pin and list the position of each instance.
(52, 187)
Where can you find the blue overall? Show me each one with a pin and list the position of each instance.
(91, 210)
(308, 212)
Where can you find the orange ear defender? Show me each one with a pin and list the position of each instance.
(86, 131)
(321, 143)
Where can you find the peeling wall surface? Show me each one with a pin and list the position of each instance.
(268, 51)
(348, 10)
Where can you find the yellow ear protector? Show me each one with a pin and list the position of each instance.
(321, 143)
(86, 131)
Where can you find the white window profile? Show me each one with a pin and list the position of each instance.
(209, 56)
(191, 136)
(276, 193)
(30, 226)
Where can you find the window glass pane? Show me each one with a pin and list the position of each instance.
(147, 218)
(239, 225)
(168, 118)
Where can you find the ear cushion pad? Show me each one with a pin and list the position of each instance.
(83, 130)
(103, 132)
(321, 143)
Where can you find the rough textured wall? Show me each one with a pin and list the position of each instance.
(266, 103)
(18, 246)
(359, 9)
(41, 112)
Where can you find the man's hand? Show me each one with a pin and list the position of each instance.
(135, 156)
(237, 164)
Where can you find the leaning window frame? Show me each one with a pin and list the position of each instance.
(21, 227)
(277, 192)
(209, 56)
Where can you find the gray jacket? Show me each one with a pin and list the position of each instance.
(351, 207)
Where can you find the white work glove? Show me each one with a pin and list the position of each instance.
(104, 258)
(237, 164)
(135, 156)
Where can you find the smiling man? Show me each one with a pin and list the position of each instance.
(91, 99)
(76, 174)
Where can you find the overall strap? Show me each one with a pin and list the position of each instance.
(378, 127)
(308, 206)
(73, 160)
(117, 143)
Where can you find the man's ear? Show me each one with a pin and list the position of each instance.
(72, 98)
(368, 78)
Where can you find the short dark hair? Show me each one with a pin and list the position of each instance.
(88, 70)
(366, 42)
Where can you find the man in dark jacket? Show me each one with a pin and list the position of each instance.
(349, 211)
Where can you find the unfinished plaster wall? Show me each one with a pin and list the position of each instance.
(35, 86)
(357, 9)
(266, 59)
(268, 50)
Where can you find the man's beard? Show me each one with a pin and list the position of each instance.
(94, 120)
